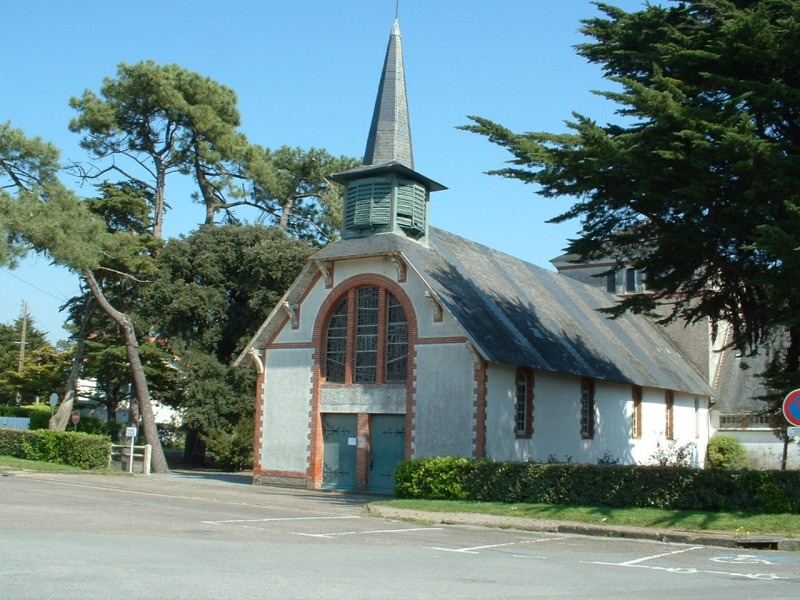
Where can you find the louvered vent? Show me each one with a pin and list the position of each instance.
(412, 200)
(368, 204)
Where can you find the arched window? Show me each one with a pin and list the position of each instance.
(523, 403)
(367, 338)
(587, 408)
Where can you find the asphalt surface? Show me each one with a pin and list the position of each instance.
(372, 506)
(215, 536)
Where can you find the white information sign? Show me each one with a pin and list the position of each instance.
(130, 432)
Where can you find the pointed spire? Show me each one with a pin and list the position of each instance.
(390, 132)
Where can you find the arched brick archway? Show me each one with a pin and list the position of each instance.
(348, 288)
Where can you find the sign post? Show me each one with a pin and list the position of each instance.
(791, 407)
(76, 416)
(130, 432)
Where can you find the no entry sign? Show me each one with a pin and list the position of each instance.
(791, 407)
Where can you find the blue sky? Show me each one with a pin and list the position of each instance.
(306, 74)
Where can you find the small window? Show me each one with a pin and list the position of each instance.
(630, 280)
(669, 402)
(587, 408)
(523, 403)
(611, 282)
(636, 413)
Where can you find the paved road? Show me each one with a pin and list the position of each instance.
(200, 537)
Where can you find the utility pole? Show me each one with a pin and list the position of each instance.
(22, 344)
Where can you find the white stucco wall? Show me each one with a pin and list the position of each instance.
(445, 401)
(556, 425)
(287, 402)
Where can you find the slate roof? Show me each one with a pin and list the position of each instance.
(520, 314)
(389, 136)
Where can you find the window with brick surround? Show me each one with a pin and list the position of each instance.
(366, 339)
(636, 413)
(669, 402)
(523, 403)
(587, 408)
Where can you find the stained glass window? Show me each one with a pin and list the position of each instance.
(336, 344)
(366, 342)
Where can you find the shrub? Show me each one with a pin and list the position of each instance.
(725, 452)
(679, 488)
(436, 478)
(232, 450)
(60, 447)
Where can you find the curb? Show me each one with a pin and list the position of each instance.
(703, 538)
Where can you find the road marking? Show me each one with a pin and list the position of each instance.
(225, 522)
(694, 571)
(646, 558)
(339, 533)
(636, 564)
(476, 549)
(741, 559)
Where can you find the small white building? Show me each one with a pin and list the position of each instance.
(402, 340)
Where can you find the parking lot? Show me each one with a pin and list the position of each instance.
(190, 536)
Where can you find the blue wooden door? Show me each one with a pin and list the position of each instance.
(339, 437)
(387, 435)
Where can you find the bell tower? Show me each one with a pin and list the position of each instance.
(386, 195)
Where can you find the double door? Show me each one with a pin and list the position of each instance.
(341, 456)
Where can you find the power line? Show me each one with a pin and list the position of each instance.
(61, 298)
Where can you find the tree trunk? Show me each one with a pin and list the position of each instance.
(58, 422)
(159, 464)
(158, 200)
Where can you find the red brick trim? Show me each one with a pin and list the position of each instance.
(479, 430)
(290, 345)
(258, 441)
(362, 452)
(259, 474)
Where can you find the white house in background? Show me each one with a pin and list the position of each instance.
(87, 404)
(402, 340)
(735, 410)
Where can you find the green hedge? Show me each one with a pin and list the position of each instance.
(599, 485)
(61, 447)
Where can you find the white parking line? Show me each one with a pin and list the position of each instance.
(646, 558)
(225, 522)
(475, 549)
(637, 564)
(339, 533)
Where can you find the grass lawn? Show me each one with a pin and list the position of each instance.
(744, 523)
(33, 465)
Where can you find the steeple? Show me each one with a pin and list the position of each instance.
(389, 137)
(386, 195)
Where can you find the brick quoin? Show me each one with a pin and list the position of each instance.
(259, 417)
(479, 439)
(362, 452)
